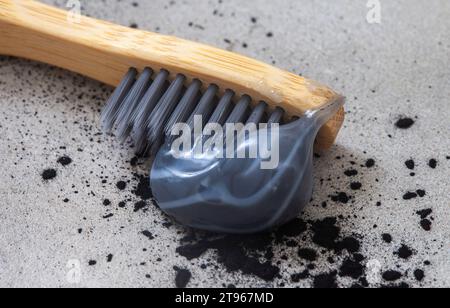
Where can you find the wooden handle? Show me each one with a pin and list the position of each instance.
(104, 51)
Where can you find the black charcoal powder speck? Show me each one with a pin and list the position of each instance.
(182, 278)
(409, 195)
(351, 172)
(65, 160)
(325, 232)
(424, 213)
(300, 276)
(392, 275)
(307, 254)
(325, 281)
(292, 229)
(351, 268)
(148, 234)
(432, 163)
(422, 193)
(426, 224)
(139, 206)
(404, 252)
(404, 123)
(355, 186)
(121, 185)
(143, 189)
(410, 164)
(370, 163)
(341, 197)
(387, 238)
(49, 174)
(419, 275)
(350, 244)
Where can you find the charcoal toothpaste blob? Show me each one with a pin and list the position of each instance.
(237, 195)
(254, 180)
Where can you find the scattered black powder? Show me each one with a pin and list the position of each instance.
(351, 172)
(108, 216)
(182, 278)
(325, 232)
(292, 229)
(341, 197)
(356, 185)
(148, 234)
(65, 160)
(409, 195)
(49, 174)
(300, 276)
(139, 206)
(419, 274)
(392, 275)
(307, 254)
(109, 258)
(238, 253)
(370, 163)
(350, 244)
(92, 262)
(325, 281)
(404, 123)
(422, 193)
(351, 268)
(404, 252)
(426, 224)
(432, 163)
(134, 161)
(387, 238)
(410, 164)
(106, 202)
(424, 213)
(121, 185)
(143, 189)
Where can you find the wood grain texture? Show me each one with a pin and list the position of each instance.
(104, 51)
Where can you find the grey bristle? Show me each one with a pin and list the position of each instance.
(258, 113)
(240, 111)
(160, 115)
(109, 113)
(205, 107)
(276, 116)
(224, 108)
(185, 107)
(124, 123)
(145, 109)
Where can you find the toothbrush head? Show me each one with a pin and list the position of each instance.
(221, 164)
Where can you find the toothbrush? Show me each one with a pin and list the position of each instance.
(167, 80)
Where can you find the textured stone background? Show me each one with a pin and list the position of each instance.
(390, 71)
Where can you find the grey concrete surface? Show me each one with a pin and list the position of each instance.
(53, 233)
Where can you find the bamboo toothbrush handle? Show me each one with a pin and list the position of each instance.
(104, 51)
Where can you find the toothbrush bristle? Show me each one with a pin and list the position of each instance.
(146, 109)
